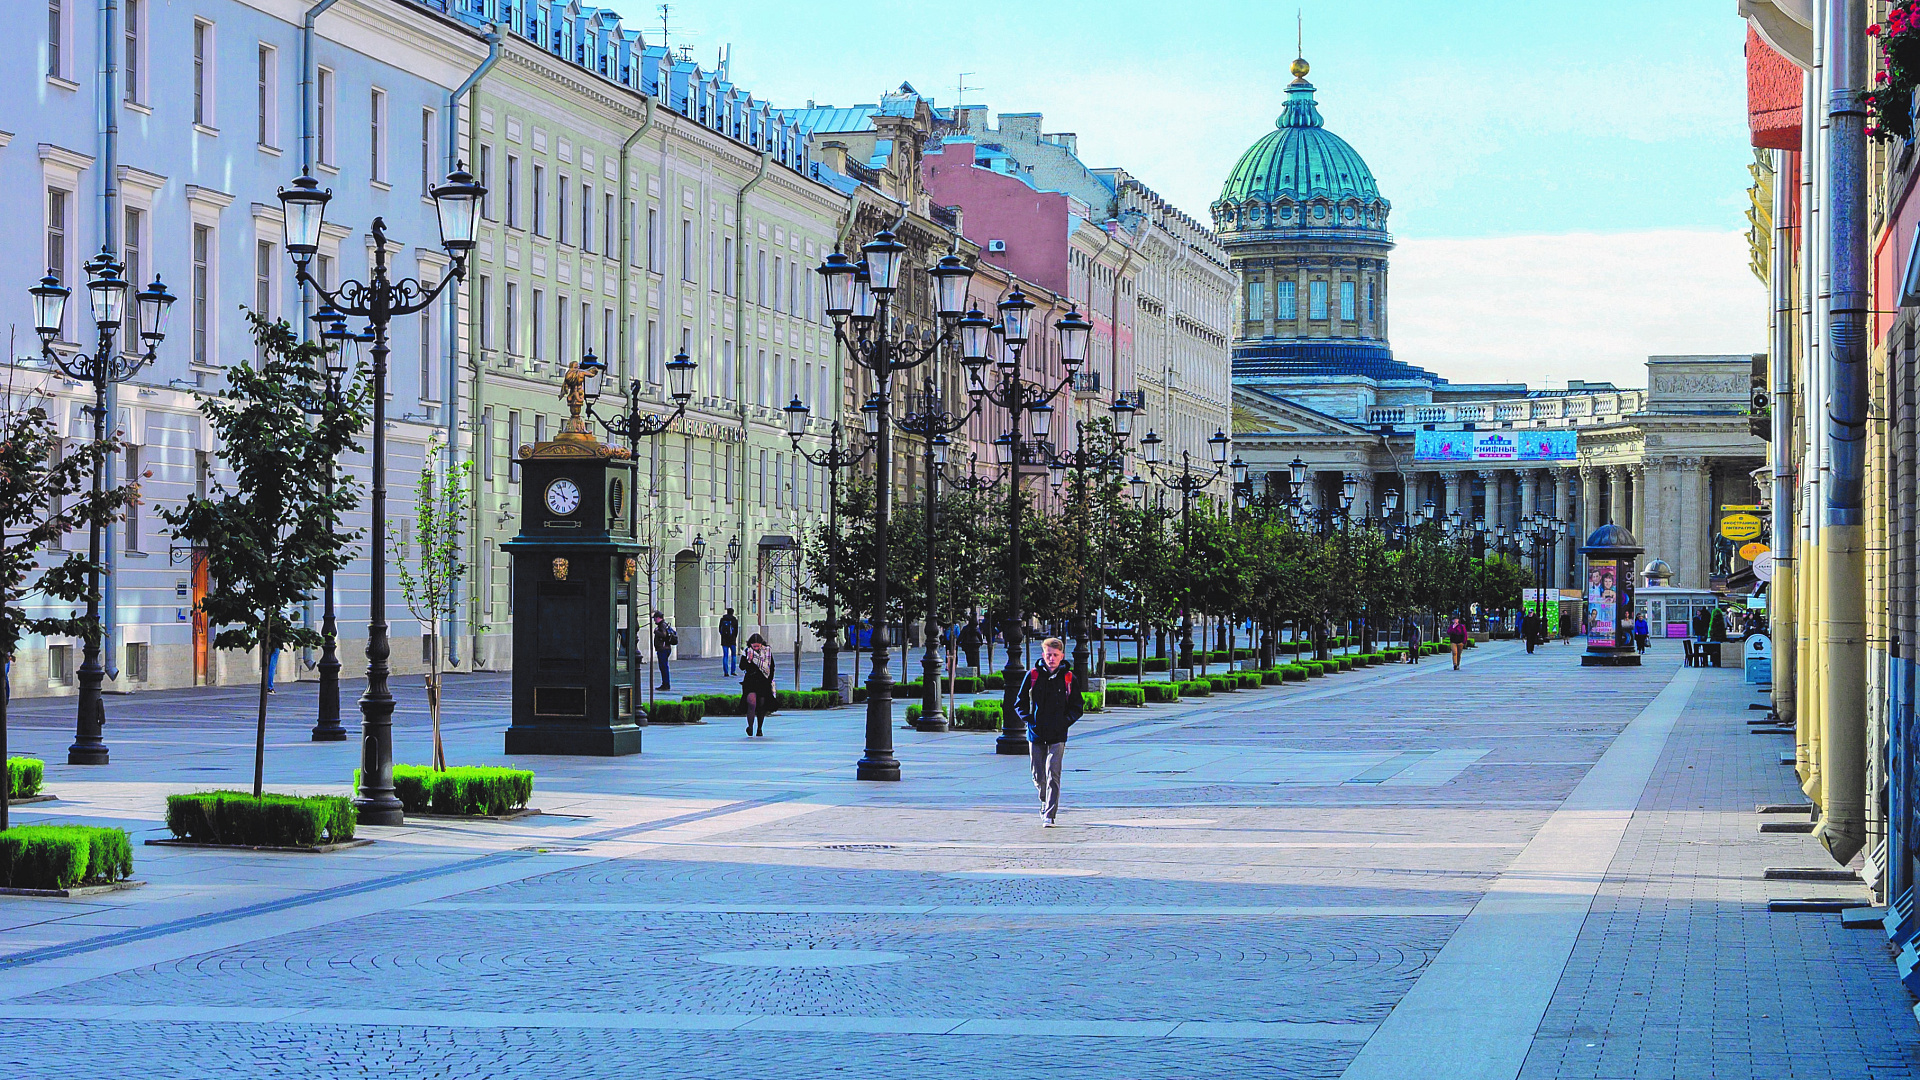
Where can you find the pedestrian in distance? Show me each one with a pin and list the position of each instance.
(664, 639)
(1457, 639)
(756, 684)
(729, 633)
(1048, 704)
(1640, 633)
(1413, 642)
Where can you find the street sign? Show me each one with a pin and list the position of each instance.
(1763, 567)
(1753, 551)
(1740, 527)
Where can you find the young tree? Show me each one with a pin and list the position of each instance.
(36, 481)
(273, 535)
(428, 587)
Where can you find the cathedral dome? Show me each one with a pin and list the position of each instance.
(1300, 175)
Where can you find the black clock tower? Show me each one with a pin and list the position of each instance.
(575, 623)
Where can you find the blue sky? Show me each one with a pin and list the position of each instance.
(1483, 119)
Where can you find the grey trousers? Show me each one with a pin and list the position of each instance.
(1046, 774)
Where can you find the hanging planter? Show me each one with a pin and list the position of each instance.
(1890, 102)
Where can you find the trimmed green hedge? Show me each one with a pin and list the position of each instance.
(1316, 669)
(1196, 688)
(1126, 695)
(236, 817)
(676, 712)
(1091, 702)
(982, 717)
(24, 775)
(63, 856)
(464, 791)
(966, 684)
(1223, 684)
(1269, 676)
(810, 699)
(1160, 693)
(1394, 656)
(1344, 663)
(719, 704)
(1293, 673)
(1247, 680)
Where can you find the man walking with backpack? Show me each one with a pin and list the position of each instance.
(664, 639)
(1048, 703)
(729, 633)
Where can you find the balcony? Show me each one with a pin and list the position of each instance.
(1086, 384)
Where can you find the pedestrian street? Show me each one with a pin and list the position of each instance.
(1523, 868)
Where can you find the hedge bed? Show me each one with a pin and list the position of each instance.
(464, 791)
(982, 717)
(1091, 701)
(1126, 695)
(24, 775)
(1222, 684)
(1159, 693)
(1247, 680)
(52, 857)
(1196, 688)
(1294, 673)
(237, 819)
(676, 712)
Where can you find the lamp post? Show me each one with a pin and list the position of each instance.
(836, 457)
(1111, 459)
(343, 361)
(106, 296)
(933, 423)
(1010, 392)
(1186, 482)
(859, 299)
(380, 300)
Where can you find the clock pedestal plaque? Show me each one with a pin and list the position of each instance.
(575, 626)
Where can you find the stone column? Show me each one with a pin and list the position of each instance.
(1592, 514)
(1364, 503)
(1454, 500)
(1617, 495)
(1563, 560)
(1638, 473)
(1528, 480)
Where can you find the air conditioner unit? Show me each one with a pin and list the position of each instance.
(997, 245)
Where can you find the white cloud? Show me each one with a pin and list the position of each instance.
(1543, 309)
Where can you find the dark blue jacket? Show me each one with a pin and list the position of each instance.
(1048, 703)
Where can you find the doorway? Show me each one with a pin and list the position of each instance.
(686, 603)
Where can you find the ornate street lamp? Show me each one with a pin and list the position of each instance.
(380, 300)
(1187, 481)
(859, 298)
(107, 366)
(835, 458)
(1010, 393)
(1081, 460)
(342, 350)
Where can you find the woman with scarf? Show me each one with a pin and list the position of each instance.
(756, 684)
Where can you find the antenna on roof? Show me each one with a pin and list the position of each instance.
(960, 89)
(1299, 31)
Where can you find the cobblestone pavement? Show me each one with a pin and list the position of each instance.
(1250, 886)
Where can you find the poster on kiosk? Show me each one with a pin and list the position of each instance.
(1603, 602)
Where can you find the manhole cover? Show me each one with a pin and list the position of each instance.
(858, 847)
(804, 958)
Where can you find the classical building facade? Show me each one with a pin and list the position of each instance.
(1315, 380)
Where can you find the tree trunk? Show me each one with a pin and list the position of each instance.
(260, 731)
(6, 692)
(433, 704)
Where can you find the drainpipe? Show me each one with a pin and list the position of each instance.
(1842, 828)
(740, 375)
(1780, 594)
(450, 316)
(109, 121)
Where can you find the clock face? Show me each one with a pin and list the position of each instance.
(563, 497)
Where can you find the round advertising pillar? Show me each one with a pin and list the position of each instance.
(1611, 553)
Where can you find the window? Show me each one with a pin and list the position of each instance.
(1256, 301)
(653, 239)
(687, 253)
(203, 73)
(778, 267)
(263, 278)
(513, 446)
(323, 119)
(1285, 301)
(726, 369)
(561, 355)
(485, 464)
(607, 343)
(760, 289)
(264, 96)
(1316, 299)
(606, 225)
(202, 282)
(539, 200)
(377, 135)
(628, 239)
(132, 508)
(135, 58)
(726, 272)
(427, 178)
(485, 167)
(513, 191)
(133, 244)
(60, 665)
(137, 665)
(513, 319)
(653, 352)
(426, 349)
(56, 19)
(1347, 311)
(564, 188)
(323, 270)
(1372, 310)
(483, 309)
(586, 326)
(57, 201)
(760, 377)
(586, 216)
(537, 323)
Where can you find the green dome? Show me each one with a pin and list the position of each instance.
(1301, 161)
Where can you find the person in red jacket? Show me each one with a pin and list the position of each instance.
(1048, 703)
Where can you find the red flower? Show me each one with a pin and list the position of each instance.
(1874, 30)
